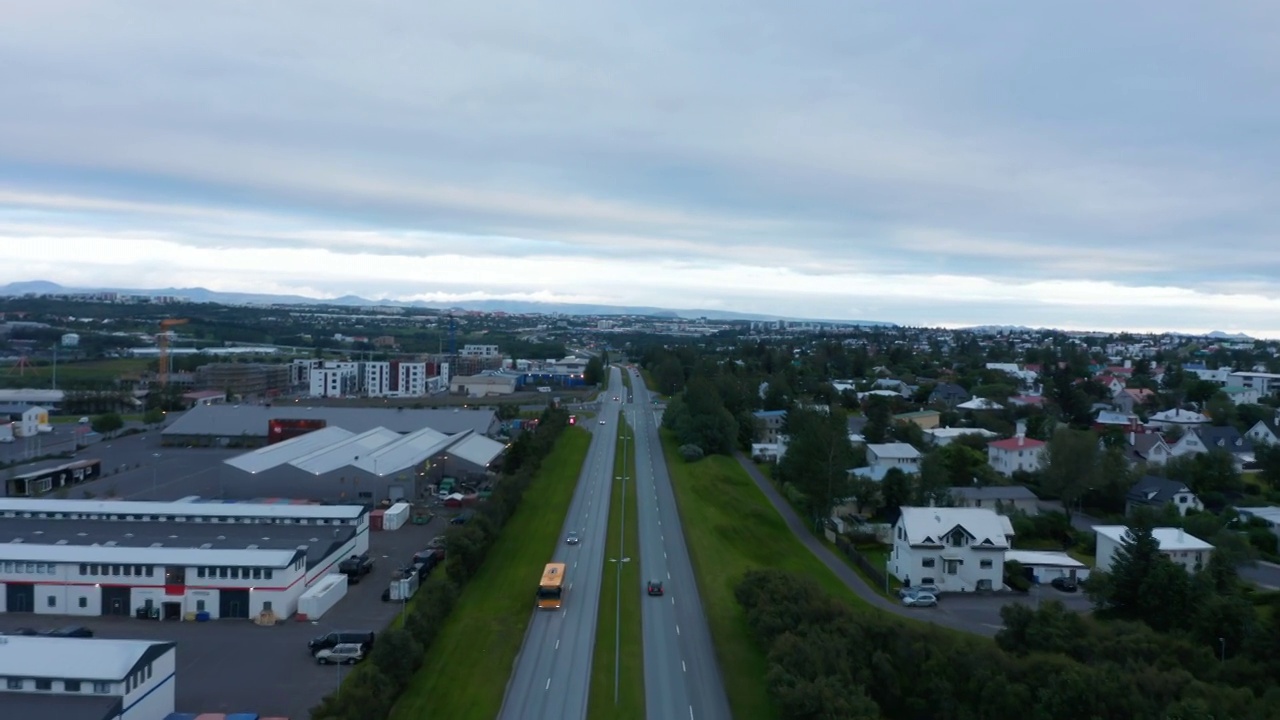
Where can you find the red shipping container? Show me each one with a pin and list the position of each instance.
(375, 519)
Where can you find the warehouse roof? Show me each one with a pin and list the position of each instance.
(345, 452)
(91, 659)
(404, 453)
(252, 420)
(477, 449)
(161, 543)
(277, 454)
(182, 508)
(64, 706)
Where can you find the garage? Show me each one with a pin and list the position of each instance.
(233, 604)
(115, 600)
(20, 597)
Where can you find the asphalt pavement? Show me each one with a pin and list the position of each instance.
(681, 676)
(552, 676)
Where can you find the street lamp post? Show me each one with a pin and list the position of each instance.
(155, 474)
(1222, 642)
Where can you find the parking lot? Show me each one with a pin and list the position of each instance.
(234, 665)
(983, 611)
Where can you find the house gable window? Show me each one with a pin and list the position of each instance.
(958, 538)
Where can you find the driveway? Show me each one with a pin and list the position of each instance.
(1264, 574)
(978, 614)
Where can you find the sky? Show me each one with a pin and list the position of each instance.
(1084, 165)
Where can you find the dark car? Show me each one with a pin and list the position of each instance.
(363, 638)
(356, 567)
(23, 631)
(1065, 584)
(71, 631)
(462, 518)
(655, 587)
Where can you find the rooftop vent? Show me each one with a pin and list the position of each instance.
(110, 543)
(128, 535)
(61, 542)
(252, 547)
(37, 532)
(81, 534)
(206, 546)
(222, 537)
(157, 544)
(16, 540)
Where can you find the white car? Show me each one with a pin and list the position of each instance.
(920, 599)
(342, 654)
(602, 422)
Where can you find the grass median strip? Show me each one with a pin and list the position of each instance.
(623, 643)
(730, 528)
(465, 674)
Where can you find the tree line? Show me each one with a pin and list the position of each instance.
(371, 691)
(827, 660)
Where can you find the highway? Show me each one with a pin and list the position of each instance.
(681, 676)
(552, 674)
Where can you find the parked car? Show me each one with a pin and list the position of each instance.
(23, 631)
(914, 589)
(343, 654)
(363, 638)
(655, 587)
(462, 518)
(920, 599)
(572, 538)
(356, 567)
(436, 542)
(71, 631)
(1065, 584)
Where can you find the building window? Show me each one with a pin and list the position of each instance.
(128, 570)
(199, 572)
(926, 581)
(84, 602)
(199, 606)
(927, 562)
(257, 573)
(266, 606)
(52, 600)
(266, 574)
(71, 686)
(985, 564)
(84, 569)
(150, 570)
(14, 683)
(42, 684)
(222, 573)
(148, 675)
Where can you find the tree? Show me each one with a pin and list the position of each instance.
(1220, 409)
(594, 372)
(819, 456)
(1122, 590)
(1071, 464)
(897, 491)
(154, 416)
(107, 423)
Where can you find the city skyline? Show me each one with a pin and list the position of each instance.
(1082, 167)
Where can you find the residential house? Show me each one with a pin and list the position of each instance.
(769, 424)
(925, 419)
(1108, 420)
(1179, 546)
(1044, 566)
(1148, 448)
(1269, 516)
(26, 419)
(1217, 375)
(948, 394)
(1156, 492)
(1265, 431)
(1179, 418)
(1264, 383)
(881, 457)
(895, 386)
(1027, 401)
(1130, 400)
(957, 549)
(980, 404)
(943, 436)
(1241, 395)
(1004, 499)
(1016, 453)
(1213, 437)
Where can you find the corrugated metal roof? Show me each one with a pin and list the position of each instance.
(345, 452)
(222, 420)
(404, 453)
(265, 458)
(102, 659)
(181, 508)
(28, 552)
(477, 449)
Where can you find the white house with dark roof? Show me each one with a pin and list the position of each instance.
(882, 457)
(86, 678)
(1177, 417)
(957, 549)
(1265, 431)
(1156, 492)
(1176, 544)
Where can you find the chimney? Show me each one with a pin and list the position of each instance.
(1182, 535)
(1021, 430)
(1133, 437)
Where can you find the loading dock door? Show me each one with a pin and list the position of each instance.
(233, 604)
(20, 597)
(115, 601)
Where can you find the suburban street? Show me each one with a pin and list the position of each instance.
(681, 674)
(552, 676)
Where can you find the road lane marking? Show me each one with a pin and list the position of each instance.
(664, 555)
(673, 600)
(557, 644)
(668, 574)
(690, 712)
(677, 629)
(548, 687)
(683, 666)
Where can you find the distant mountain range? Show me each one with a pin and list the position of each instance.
(1215, 335)
(201, 295)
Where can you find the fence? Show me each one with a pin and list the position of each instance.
(874, 573)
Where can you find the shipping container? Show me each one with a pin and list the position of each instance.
(396, 516)
(321, 597)
(242, 716)
(375, 519)
(211, 716)
(180, 716)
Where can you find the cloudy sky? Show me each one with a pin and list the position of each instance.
(1083, 164)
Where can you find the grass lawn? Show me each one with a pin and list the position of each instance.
(1082, 557)
(626, 378)
(731, 528)
(465, 673)
(82, 370)
(627, 646)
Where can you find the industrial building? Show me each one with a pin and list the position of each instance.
(484, 385)
(244, 379)
(170, 560)
(258, 425)
(86, 678)
(336, 465)
(51, 477)
(26, 419)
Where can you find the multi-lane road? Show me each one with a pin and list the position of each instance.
(552, 676)
(681, 677)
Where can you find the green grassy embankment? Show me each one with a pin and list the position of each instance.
(629, 643)
(731, 528)
(465, 674)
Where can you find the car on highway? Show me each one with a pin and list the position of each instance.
(913, 589)
(920, 599)
(571, 539)
(655, 587)
(342, 654)
(602, 422)
(1065, 584)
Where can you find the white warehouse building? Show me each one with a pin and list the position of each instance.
(86, 679)
(170, 560)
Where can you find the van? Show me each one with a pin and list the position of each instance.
(84, 421)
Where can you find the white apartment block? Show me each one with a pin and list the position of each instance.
(72, 678)
(480, 351)
(335, 379)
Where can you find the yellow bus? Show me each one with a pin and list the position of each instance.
(552, 586)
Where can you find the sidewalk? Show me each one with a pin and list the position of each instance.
(841, 570)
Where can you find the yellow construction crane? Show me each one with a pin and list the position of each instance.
(162, 342)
